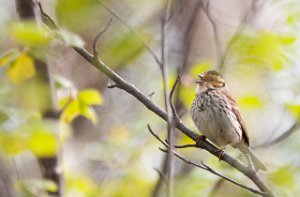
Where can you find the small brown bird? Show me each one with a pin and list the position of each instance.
(217, 116)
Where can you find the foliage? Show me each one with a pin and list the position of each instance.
(81, 105)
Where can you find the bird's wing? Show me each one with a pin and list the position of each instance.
(237, 113)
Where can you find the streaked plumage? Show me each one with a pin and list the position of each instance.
(217, 116)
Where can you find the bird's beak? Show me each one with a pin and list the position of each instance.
(201, 78)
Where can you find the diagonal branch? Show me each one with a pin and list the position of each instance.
(145, 100)
(203, 166)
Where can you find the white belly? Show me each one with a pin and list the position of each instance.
(221, 128)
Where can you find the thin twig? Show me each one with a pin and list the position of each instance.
(173, 109)
(160, 174)
(156, 136)
(186, 146)
(151, 94)
(99, 35)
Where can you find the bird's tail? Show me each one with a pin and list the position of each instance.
(246, 150)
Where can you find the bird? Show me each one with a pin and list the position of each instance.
(216, 115)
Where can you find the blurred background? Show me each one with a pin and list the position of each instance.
(99, 145)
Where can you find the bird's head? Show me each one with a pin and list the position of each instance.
(210, 80)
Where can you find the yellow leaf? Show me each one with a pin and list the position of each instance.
(90, 97)
(71, 111)
(29, 34)
(251, 101)
(200, 68)
(283, 176)
(22, 69)
(42, 143)
(89, 113)
(294, 109)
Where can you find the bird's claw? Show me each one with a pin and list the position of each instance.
(199, 139)
(221, 153)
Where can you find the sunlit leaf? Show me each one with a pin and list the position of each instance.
(124, 48)
(263, 49)
(29, 34)
(42, 143)
(80, 185)
(22, 69)
(71, 111)
(64, 101)
(294, 109)
(76, 14)
(251, 102)
(284, 176)
(90, 97)
(288, 40)
(187, 95)
(13, 143)
(89, 113)
(200, 68)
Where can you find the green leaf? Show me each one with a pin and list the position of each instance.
(90, 97)
(29, 34)
(124, 48)
(77, 14)
(22, 69)
(263, 49)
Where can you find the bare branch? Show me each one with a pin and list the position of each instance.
(131, 89)
(209, 169)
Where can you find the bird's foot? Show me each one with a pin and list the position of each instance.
(221, 153)
(199, 139)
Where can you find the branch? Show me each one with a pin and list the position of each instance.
(204, 166)
(145, 100)
(170, 119)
